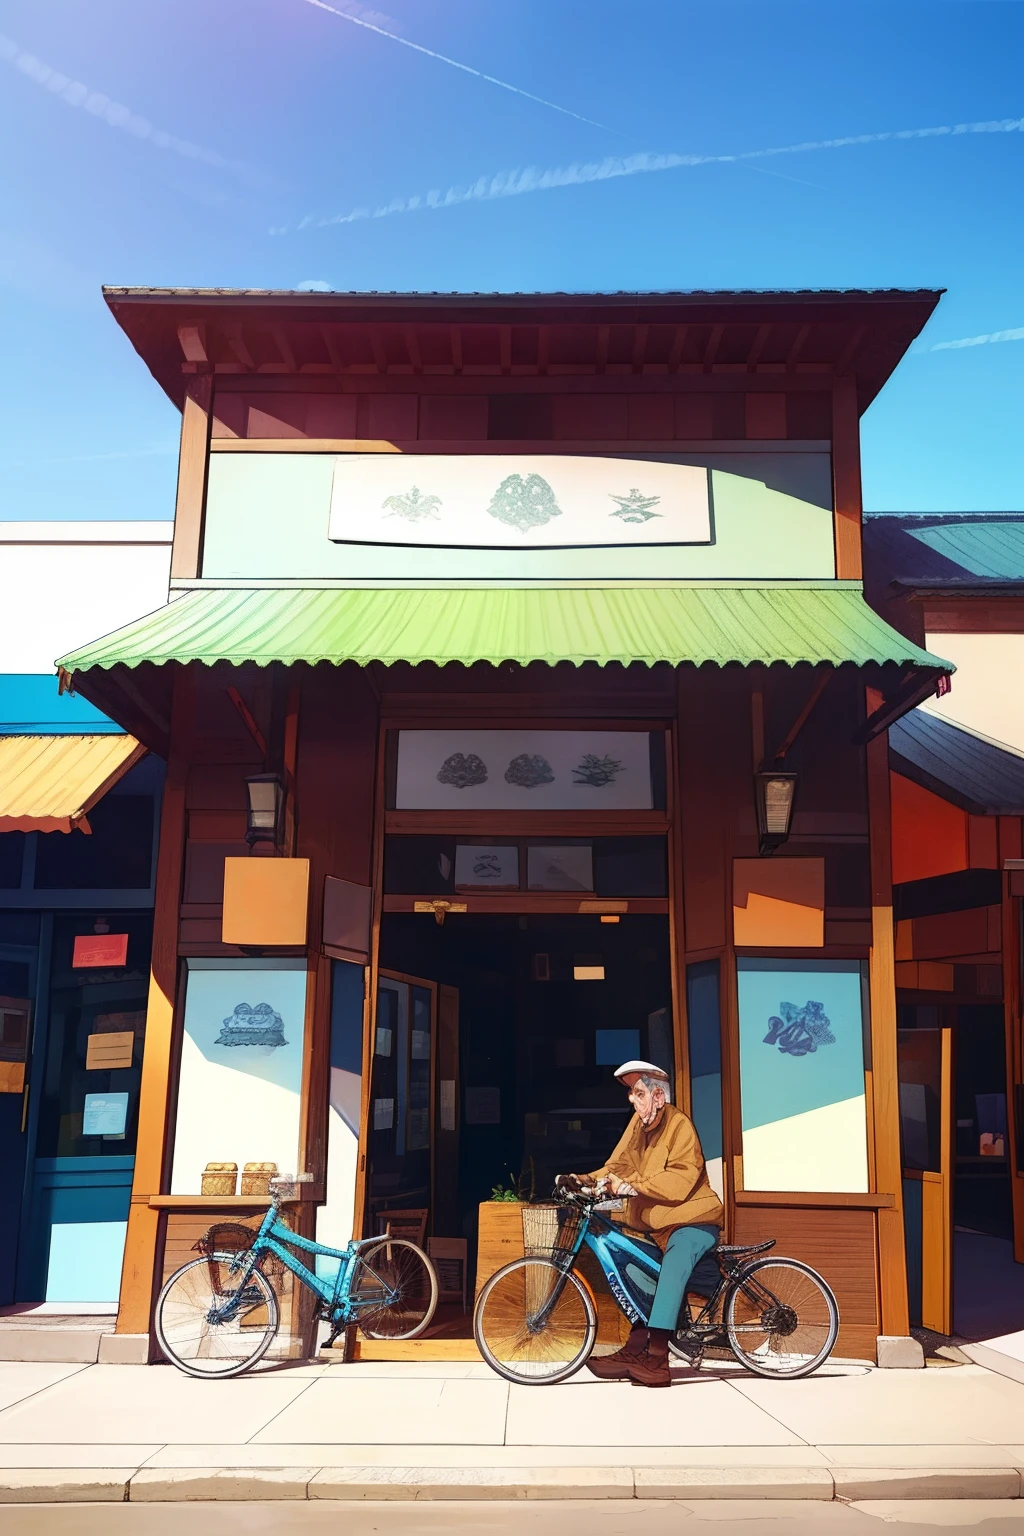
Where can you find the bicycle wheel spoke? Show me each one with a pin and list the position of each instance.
(394, 1292)
(782, 1319)
(212, 1322)
(533, 1322)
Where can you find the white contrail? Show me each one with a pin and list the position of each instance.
(516, 183)
(431, 53)
(75, 94)
(977, 341)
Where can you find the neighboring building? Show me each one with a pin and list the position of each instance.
(524, 614)
(955, 583)
(79, 803)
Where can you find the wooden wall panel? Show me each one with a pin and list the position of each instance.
(841, 1246)
(929, 836)
(715, 788)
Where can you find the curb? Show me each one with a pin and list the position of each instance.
(357, 1484)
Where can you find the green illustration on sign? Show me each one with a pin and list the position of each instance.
(524, 502)
(413, 506)
(635, 508)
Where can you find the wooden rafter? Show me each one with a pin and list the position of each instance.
(236, 341)
(193, 342)
(639, 348)
(711, 350)
(455, 341)
(759, 344)
(799, 342)
(330, 340)
(849, 352)
(675, 355)
(284, 347)
(380, 356)
(823, 680)
(604, 333)
(412, 346)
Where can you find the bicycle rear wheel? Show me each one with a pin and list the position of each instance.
(200, 1328)
(533, 1323)
(781, 1318)
(394, 1290)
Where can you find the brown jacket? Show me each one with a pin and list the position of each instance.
(665, 1166)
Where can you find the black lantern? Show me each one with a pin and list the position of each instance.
(266, 808)
(774, 789)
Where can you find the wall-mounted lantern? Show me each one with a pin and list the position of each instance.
(265, 792)
(774, 790)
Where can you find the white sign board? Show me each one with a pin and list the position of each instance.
(523, 770)
(517, 501)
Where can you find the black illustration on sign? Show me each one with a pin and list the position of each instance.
(528, 770)
(487, 866)
(524, 502)
(635, 508)
(413, 506)
(252, 1026)
(597, 771)
(462, 770)
(800, 1031)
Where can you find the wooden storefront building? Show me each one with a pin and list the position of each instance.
(537, 622)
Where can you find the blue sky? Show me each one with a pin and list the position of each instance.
(213, 142)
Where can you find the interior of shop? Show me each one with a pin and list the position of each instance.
(548, 1005)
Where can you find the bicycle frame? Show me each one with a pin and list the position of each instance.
(335, 1294)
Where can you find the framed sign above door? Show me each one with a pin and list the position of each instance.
(524, 770)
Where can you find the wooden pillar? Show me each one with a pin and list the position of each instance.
(1010, 847)
(139, 1277)
(885, 1129)
(187, 548)
(846, 488)
(676, 915)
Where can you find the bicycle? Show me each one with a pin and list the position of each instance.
(217, 1315)
(535, 1320)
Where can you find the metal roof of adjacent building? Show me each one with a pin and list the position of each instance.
(961, 550)
(982, 776)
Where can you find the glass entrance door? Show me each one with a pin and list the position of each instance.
(401, 1117)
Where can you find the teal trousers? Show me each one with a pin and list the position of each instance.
(686, 1246)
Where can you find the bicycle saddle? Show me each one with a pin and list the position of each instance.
(731, 1248)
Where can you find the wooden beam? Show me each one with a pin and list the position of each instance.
(675, 355)
(187, 545)
(802, 718)
(543, 338)
(248, 720)
(759, 344)
(604, 333)
(236, 341)
(885, 1129)
(799, 342)
(192, 339)
(284, 346)
(711, 350)
(330, 340)
(1011, 847)
(640, 333)
(846, 485)
(143, 1242)
(412, 347)
(455, 342)
(849, 352)
(380, 356)
(505, 340)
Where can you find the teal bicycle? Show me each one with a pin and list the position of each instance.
(218, 1315)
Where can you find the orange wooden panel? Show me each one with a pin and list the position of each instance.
(956, 933)
(929, 836)
(983, 842)
(265, 901)
(778, 902)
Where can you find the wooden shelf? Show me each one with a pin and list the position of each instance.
(844, 1201)
(224, 1202)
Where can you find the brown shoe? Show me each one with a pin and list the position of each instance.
(651, 1368)
(616, 1367)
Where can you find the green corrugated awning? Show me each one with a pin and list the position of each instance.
(602, 624)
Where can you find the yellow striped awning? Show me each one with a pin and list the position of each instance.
(49, 783)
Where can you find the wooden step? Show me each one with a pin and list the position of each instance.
(416, 1349)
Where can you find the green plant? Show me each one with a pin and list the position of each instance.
(499, 1192)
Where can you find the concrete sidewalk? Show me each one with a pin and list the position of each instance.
(384, 1431)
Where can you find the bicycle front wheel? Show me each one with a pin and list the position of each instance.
(781, 1318)
(210, 1323)
(394, 1291)
(533, 1323)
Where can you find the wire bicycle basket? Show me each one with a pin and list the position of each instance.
(552, 1231)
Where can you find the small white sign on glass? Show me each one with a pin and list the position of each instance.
(480, 867)
(517, 501)
(569, 867)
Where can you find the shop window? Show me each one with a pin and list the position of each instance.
(801, 1028)
(12, 854)
(419, 866)
(705, 1055)
(602, 866)
(240, 1073)
(116, 855)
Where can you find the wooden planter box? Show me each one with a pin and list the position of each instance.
(500, 1235)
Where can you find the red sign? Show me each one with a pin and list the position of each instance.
(94, 949)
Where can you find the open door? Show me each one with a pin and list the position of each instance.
(926, 1132)
(400, 1133)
